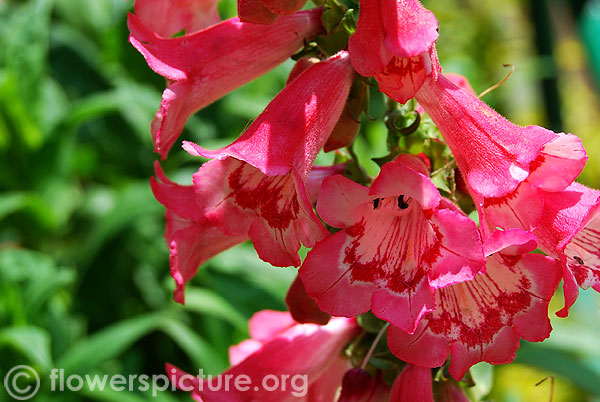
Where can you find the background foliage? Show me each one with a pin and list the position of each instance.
(84, 281)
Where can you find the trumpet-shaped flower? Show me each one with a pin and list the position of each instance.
(397, 245)
(307, 356)
(266, 11)
(204, 66)
(394, 42)
(482, 319)
(167, 17)
(191, 237)
(500, 155)
(569, 229)
(255, 187)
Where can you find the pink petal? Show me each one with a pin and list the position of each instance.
(404, 76)
(404, 309)
(413, 385)
(511, 242)
(482, 319)
(211, 63)
(397, 178)
(316, 177)
(167, 17)
(410, 29)
(559, 163)
(570, 230)
(391, 247)
(326, 387)
(296, 124)
(266, 325)
(367, 51)
(342, 202)
(422, 347)
(239, 352)
(459, 253)
(191, 238)
(190, 245)
(565, 214)
(523, 208)
(302, 350)
(272, 210)
(329, 283)
(500, 153)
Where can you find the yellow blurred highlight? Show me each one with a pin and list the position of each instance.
(517, 383)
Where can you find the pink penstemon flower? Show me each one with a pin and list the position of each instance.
(192, 239)
(504, 164)
(255, 186)
(569, 229)
(204, 66)
(483, 319)
(398, 244)
(394, 42)
(282, 348)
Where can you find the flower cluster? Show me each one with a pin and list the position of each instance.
(397, 251)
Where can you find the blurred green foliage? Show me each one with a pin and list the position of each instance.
(84, 281)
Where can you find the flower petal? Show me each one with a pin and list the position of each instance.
(211, 63)
(410, 29)
(559, 163)
(482, 319)
(167, 17)
(499, 154)
(272, 210)
(191, 237)
(397, 178)
(367, 51)
(296, 124)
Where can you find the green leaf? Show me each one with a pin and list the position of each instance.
(11, 202)
(197, 348)
(205, 301)
(134, 201)
(33, 342)
(108, 343)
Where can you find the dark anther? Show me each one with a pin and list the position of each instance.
(579, 260)
(401, 203)
(376, 202)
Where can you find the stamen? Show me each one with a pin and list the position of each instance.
(401, 203)
(579, 260)
(376, 203)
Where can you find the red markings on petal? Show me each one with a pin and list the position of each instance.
(272, 210)
(391, 249)
(482, 319)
